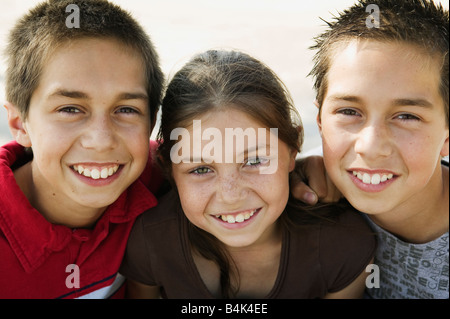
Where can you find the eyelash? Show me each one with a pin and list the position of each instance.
(69, 110)
(347, 112)
(260, 161)
(127, 109)
(351, 112)
(410, 117)
(195, 171)
(74, 110)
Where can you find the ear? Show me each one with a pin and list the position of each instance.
(318, 119)
(293, 157)
(17, 125)
(445, 148)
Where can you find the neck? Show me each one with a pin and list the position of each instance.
(51, 205)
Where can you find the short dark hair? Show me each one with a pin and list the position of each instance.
(418, 22)
(40, 32)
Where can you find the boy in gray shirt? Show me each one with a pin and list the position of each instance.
(381, 74)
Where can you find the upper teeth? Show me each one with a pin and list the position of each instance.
(239, 218)
(95, 173)
(374, 179)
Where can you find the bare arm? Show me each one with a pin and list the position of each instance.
(137, 290)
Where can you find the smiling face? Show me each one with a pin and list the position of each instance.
(383, 127)
(88, 126)
(235, 202)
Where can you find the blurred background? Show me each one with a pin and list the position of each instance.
(278, 32)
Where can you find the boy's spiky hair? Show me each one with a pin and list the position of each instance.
(419, 22)
(40, 32)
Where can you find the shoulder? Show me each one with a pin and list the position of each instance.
(165, 211)
(156, 232)
(346, 248)
(348, 240)
(350, 227)
(161, 221)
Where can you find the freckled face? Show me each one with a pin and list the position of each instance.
(235, 201)
(383, 126)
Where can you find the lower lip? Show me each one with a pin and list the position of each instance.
(237, 225)
(98, 182)
(371, 188)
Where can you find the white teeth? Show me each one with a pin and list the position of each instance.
(366, 178)
(374, 179)
(95, 173)
(104, 173)
(87, 172)
(239, 218)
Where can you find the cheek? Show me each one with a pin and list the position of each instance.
(194, 201)
(273, 189)
(334, 149)
(193, 194)
(137, 141)
(418, 153)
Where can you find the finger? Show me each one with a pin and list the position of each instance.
(304, 193)
(316, 176)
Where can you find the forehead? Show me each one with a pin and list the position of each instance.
(93, 64)
(384, 69)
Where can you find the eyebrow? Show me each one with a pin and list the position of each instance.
(192, 159)
(397, 102)
(413, 102)
(348, 98)
(82, 95)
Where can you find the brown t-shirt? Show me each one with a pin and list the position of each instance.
(314, 261)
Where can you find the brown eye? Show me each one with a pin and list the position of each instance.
(348, 112)
(407, 117)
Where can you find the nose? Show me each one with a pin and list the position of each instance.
(373, 141)
(99, 134)
(230, 189)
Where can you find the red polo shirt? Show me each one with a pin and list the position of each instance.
(42, 260)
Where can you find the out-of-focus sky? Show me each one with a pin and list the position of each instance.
(278, 32)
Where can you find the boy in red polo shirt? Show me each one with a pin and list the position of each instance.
(81, 104)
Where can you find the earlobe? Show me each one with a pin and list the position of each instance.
(17, 125)
(292, 160)
(445, 148)
(318, 119)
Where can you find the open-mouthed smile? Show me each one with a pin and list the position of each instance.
(96, 171)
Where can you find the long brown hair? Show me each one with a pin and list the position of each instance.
(223, 79)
